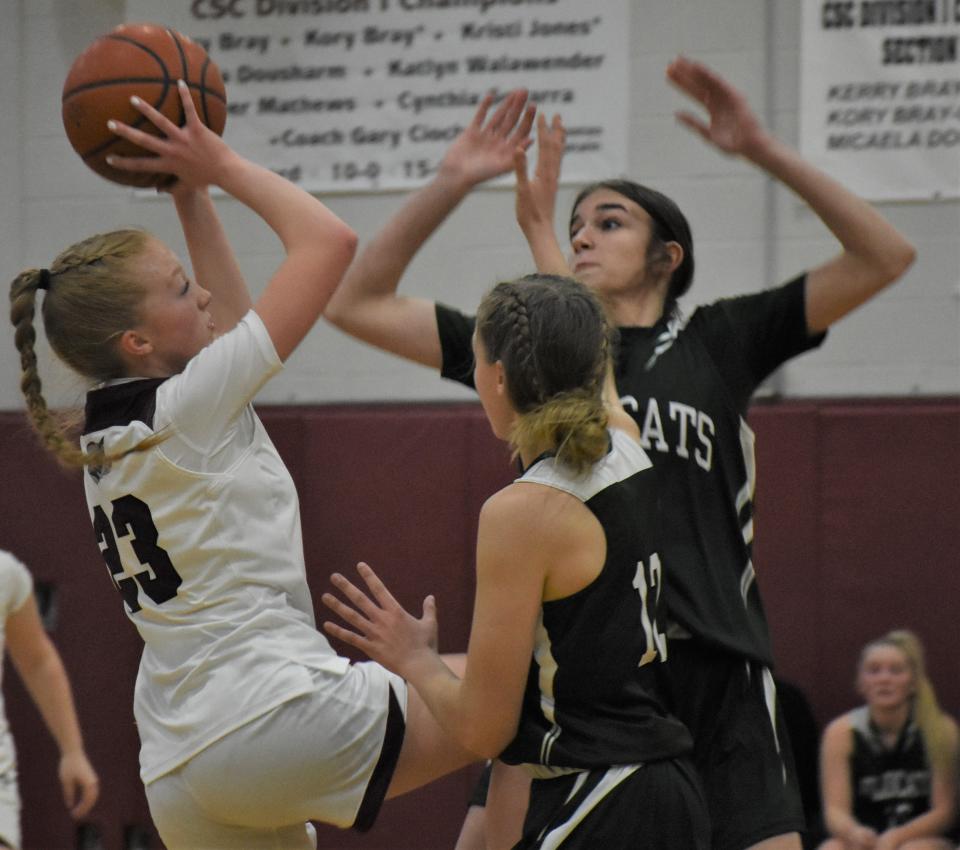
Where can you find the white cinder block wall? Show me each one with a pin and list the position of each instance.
(748, 233)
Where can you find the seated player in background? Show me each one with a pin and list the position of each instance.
(889, 767)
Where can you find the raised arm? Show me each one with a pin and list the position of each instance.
(367, 305)
(214, 264)
(318, 245)
(536, 198)
(874, 252)
(39, 666)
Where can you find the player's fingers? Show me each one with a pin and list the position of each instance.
(551, 138)
(693, 79)
(355, 595)
(157, 118)
(552, 144)
(362, 627)
(186, 101)
(557, 130)
(507, 112)
(481, 114)
(520, 170)
(88, 796)
(430, 608)
(379, 590)
(694, 123)
(522, 131)
(347, 636)
(145, 140)
(70, 795)
(135, 163)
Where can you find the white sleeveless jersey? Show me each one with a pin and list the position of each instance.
(15, 588)
(201, 536)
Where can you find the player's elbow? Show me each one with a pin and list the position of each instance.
(898, 256)
(488, 740)
(483, 748)
(338, 311)
(344, 245)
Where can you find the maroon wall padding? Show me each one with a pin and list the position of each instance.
(786, 553)
(857, 531)
(891, 535)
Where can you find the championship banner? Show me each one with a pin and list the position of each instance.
(880, 95)
(366, 95)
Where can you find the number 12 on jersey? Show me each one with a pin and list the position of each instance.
(656, 640)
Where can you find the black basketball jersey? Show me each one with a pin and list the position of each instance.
(592, 697)
(890, 786)
(688, 386)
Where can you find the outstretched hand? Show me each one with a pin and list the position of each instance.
(486, 147)
(536, 198)
(732, 126)
(382, 627)
(192, 154)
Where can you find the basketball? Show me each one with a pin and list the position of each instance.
(145, 60)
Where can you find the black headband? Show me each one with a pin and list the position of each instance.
(43, 281)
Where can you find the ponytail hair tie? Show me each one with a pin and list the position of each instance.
(43, 282)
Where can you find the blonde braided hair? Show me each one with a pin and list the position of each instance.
(551, 335)
(92, 297)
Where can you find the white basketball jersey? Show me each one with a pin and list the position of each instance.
(15, 588)
(201, 535)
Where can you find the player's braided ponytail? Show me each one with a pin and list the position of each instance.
(551, 336)
(91, 298)
(23, 296)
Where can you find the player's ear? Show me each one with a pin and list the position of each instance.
(675, 253)
(134, 344)
(501, 377)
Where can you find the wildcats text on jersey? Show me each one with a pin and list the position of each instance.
(691, 430)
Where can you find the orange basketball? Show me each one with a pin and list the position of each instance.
(144, 60)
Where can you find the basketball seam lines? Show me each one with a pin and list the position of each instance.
(163, 80)
(104, 83)
(185, 73)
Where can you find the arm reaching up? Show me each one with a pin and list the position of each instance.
(367, 305)
(318, 245)
(874, 253)
(214, 264)
(536, 198)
